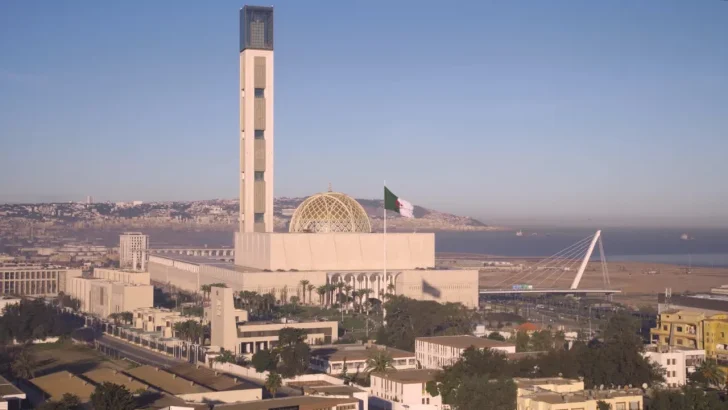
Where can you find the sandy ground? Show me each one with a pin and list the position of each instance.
(77, 359)
(639, 282)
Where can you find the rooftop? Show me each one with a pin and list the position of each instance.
(332, 390)
(584, 396)
(354, 352)
(7, 389)
(465, 341)
(165, 381)
(55, 385)
(302, 402)
(409, 376)
(211, 379)
(102, 375)
(523, 383)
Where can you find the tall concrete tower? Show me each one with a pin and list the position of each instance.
(256, 119)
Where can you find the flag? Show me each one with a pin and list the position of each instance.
(396, 204)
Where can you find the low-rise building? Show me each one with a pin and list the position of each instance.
(556, 393)
(296, 403)
(55, 385)
(11, 397)
(439, 351)
(122, 275)
(679, 328)
(406, 388)
(331, 359)
(677, 363)
(102, 297)
(158, 320)
(246, 338)
(34, 280)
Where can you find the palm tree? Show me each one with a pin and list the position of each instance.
(390, 288)
(354, 295)
(273, 382)
(322, 290)
(340, 288)
(205, 291)
(115, 317)
(711, 374)
(127, 317)
(24, 364)
(110, 396)
(379, 361)
(310, 288)
(304, 285)
(331, 288)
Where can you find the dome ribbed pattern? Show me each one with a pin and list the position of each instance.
(330, 212)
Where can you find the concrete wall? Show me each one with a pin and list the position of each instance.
(334, 251)
(228, 396)
(457, 286)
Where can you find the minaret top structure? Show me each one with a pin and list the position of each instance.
(256, 28)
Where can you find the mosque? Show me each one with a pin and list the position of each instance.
(330, 239)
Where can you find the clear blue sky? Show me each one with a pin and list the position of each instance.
(510, 110)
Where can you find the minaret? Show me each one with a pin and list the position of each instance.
(256, 119)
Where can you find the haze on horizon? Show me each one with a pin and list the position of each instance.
(549, 112)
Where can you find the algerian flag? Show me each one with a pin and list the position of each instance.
(396, 204)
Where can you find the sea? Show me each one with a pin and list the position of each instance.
(695, 247)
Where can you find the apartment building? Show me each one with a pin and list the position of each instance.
(556, 393)
(331, 359)
(439, 351)
(34, 280)
(404, 389)
(677, 363)
(133, 250)
(101, 297)
(680, 328)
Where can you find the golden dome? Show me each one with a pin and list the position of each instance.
(330, 212)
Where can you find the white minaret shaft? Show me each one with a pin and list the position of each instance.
(256, 119)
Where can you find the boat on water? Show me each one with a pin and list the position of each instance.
(686, 237)
(519, 233)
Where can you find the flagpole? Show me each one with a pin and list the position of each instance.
(385, 234)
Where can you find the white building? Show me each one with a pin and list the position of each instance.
(436, 352)
(34, 280)
(102, 297)
(677, 363)
(122, 275)
(404, 389)
(133, 250)
(331, 359)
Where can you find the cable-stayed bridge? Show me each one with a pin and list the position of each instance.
(544, 276)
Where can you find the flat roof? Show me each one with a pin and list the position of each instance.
(102, 375)
(524, 383)
(304, 403)
(409, 375)
(354, 352)
(8, 389)
(165, 381)
(582, 396)
(57, 384)
(333, 390)
(465, 341)
(207, 377)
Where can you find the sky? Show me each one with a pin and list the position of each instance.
(563, 111)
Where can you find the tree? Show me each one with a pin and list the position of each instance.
(379, 361)
(322, 290)
(294, 353)
(265, 361)
(709, 374)
(409, 318)
(304, 286)
(34, 319)
(310, 288)
(478, 380)
(523, 341)
(23, 366)
(496, 336)
(542, 340)
(687, 398)
(190, 330)
(226, 356)
(127, 317)
(603, 405)
(110, 396)
(67, 402)
(273, 382)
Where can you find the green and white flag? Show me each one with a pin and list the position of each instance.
(397, 204)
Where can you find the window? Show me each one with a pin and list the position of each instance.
(664, 327)
(679, 341)
(259, 217)
(259, 93)
(259, 175)
(259, 134)
(679, 329)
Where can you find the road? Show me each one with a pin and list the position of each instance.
(145, 356)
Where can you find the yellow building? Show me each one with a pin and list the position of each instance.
(716, 339)
(556, 393)
(679, 328)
